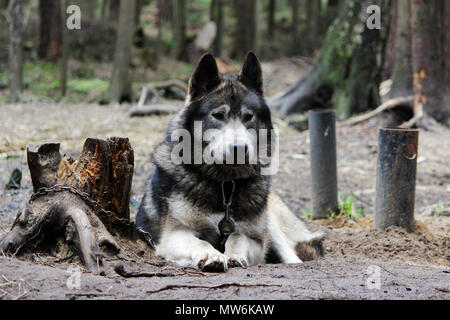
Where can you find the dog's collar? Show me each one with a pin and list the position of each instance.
(226, 225)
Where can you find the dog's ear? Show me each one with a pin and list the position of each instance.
(204, 78)
(251, 73)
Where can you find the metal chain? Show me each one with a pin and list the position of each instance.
(226, 225)
(94, 205)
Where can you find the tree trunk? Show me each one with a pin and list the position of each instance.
(313, 9)
(244, 37)
(180, 29)
(50, 41)
(15, 49)
(390, 46)
(332, 12)
(218, 41)
(428, 59)
(137, 15)
(88, 8)
(347, 72)
(271, 18)
(159, 30)
(295, 48)
(213, 10)
(114, 9)
(4, 4)
(447, 46)
(120, 86)
(402, 69)
(82, 200)
(65, 53)
(104, 5)
(167, 10)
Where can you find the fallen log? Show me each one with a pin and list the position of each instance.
(84, 201)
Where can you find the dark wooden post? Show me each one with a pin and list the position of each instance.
(322, 132)
(396, 178)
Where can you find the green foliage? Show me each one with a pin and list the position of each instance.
(88, 85)
(84, 71)
(4, 79)
(347, 209)
(168, 41)
(306, 214)
(42, 79)
(301, 117)
(440, 210)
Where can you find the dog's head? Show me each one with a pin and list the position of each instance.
(228, 120)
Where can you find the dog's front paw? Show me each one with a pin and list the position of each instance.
(212, 262)
(237, 262)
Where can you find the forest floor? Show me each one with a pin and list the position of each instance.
(412, 265)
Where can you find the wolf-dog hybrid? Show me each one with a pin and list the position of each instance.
(219, 214)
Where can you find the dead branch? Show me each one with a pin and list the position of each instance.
(155, 109)
(158, 85)
(120, 269)
(390, 104)
(411, 122)
(220, 286)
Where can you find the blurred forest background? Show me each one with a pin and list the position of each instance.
(355, 57)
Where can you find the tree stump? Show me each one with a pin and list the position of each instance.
(85, 201)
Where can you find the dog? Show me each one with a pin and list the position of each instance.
(211, 214)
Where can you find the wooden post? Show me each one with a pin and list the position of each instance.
(322, 132)
(396, 178)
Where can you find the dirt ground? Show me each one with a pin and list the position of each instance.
(412, 266)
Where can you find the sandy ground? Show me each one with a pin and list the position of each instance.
(412, 266)
(324, 279)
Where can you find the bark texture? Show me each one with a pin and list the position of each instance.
(428, 59)
(402, 68)
(120, 86)
(114, 10)
(15, 49)
(447, 46)
(313, 18)
(390, 46)
(180, 29)
(271, 18)
(244, 37)
(295, 46)
(218, 41)
(50, 40)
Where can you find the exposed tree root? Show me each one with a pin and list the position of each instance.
(390, 104)
(79, 200)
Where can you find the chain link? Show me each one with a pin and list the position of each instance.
(94, 205)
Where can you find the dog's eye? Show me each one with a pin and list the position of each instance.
(219, 116)
(248, 117)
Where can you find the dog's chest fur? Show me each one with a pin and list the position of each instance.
(204, 222)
